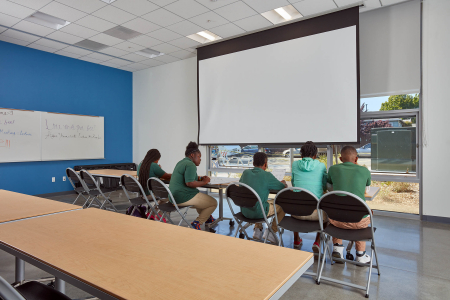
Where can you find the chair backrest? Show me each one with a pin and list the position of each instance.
(296, 201)
(8, 292)
(242, 195)
(89, 180)
(159, 189)
(73, 177)
(131, 184)
(344, 206)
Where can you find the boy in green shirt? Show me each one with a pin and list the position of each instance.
(352, 178)
(262, 182)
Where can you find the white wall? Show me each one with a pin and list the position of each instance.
(436, 107)
(165, 112)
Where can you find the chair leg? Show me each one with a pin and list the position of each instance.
(76, 199)
(237, 230)
(184, 219)
(321, 264)
(374, 249)
(87, 200)
(370, 272)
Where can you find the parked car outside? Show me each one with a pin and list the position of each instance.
(287, 153)
(364, 151)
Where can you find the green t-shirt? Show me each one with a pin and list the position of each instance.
(185, 171)
(262, 182)
(350, 178)
(155, 171)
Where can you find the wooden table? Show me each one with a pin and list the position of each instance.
(113, 173)
(115, 256)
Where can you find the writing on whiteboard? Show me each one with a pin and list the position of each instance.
(5, 143)
(7, 113)
(12, 132)
(70, 131)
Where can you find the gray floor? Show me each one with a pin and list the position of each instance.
(412, 254)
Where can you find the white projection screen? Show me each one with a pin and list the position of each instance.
(294, 90)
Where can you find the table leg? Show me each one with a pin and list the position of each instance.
(221, 204)
(60, 285)
(20, 270)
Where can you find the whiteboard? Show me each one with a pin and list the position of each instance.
(20, 135)
(68, 137)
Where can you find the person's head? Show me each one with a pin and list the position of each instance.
(349, 154)
(193, 153)
(309, 149)
(260, 160)
(152, 156)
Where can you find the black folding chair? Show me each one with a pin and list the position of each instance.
(346, 207)
(243, 195)
(131, 185)
(160, 191)
(94, 191)
(31, 290)
(75, 179)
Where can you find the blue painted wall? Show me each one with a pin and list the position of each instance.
(37, 80)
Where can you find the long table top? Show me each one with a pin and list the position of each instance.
(134, 258)
(15, 206)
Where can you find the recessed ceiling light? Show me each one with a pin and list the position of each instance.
(282, 14)
(108, 1)
(204, 36)
(47, 20)
(149, 53)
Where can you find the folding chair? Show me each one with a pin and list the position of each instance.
(74, 179)
(159, 191)
(31, 290)
(347, 207)
(243, 195)
(298, 202)
(131, 185)
(93, 189)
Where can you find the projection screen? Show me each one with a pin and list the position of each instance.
(285, 85)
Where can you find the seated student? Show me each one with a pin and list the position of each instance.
(310, 174)
(262, 182)
(352, 178)
(149, 168)
(184, 184)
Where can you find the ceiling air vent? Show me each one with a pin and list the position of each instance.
(149, 53)
(91, 45)
(122, 33)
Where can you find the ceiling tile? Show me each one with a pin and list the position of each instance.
(185, 28)
(136, 7)
(8, 20)
(186, 8)
(342, 3)
(42, 48)
(165, 48)
(215, 4)
(64, 37)
(119, 62)
(138, 66)
(63, 11)
(34, 4)
(20, 35)
(191, 50)
(77, 50)
(90, 59)
(208, 20)
(164, 35)
(126, 68)
(130, 47)
(236, 11)
(95, 23)
(312, 7)
(33, 28)
(15, 10)
(134, 57)
(13, 40)
(166, 58)
(88, 6)
(3, 29)
(227, 30)
(390, 2)
(266, 5)
(114, 14)
(145, 41)
(51, 44)
(109, 64)
(253, 23)
(114, 51)
(153, 62)
(105, 39)
(141, 25)
(79, 30)
(162, 2)
(162, 17)
(183, 54)
(98, 56)
(184, 42)
(69, 54)
(369, 5)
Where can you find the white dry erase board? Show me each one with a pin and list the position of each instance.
(43, 136)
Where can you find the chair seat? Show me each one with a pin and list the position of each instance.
(297, 225)
(80, 190)
(97, 192)
(167, 207)
(350, 234)
(241, 217)
(37, 291)
(138, 201)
